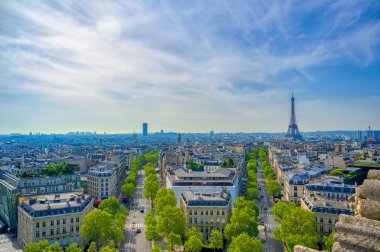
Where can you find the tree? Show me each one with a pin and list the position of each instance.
(97, 227)
(142, 159)
(241, 203)
(109, 248)
(173, 240)
(194, 244)
(252, 193)
(193, 232)
(128, 189)
(243, 220)
(93, 247)
(329, 241)
(43, 246)
(151, 233)
(74, 247)
(165, 197)
(151, 186)
(281, 209)
(112, 206)
(245, 243)
(149, 170)
(297, 226)
(136, 165)
(171, 219)
(216, 239)
(156, 249)
(273, 187)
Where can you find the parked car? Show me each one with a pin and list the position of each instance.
(138, 230)
(142, 210)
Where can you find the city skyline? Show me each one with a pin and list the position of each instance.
(188, 67)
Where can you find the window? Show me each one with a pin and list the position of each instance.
(58, 222)
(44, 224)
(295, 188)
(72, 229)
(190, 220)
(295, 194)
(330, 221)
(52, 223)
(211, 212)
(201, 212)
(37, 224)
(37, 234)
(190, 212)
(72, 220)
(63, 230)
(321, 220)
(58, 230)
(195, 212)
(217, 212)
(222, 212)
(77, 219)
(43, 233)
(206, 212)
(64, 221)
(51, 231)
(321, 228)
(77, 228)
(195, 221)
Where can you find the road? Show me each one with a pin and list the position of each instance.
(267, 215)
(136, 242)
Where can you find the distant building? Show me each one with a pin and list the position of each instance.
(145, 129)
(294, 185)
(181, 180)
(206, 211)
(56, 218)
(360, 135)
(102, 180)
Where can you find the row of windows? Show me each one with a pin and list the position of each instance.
(57, 231)
(206, 212)
(204, 221)
(57, 222)
(321, 228)
(329, 220)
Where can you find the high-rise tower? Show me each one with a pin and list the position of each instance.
(145, 129)
(293, 131)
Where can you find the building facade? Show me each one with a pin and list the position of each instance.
(206, 211)
(102, 180)
(56, 218)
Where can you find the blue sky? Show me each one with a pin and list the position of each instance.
(189, 66)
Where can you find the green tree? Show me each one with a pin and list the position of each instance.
(128, 189)
(112, 206)
(151, 186)
(142, 159)
(245, 243)
(149, 170)
(337, 172)
(136, 165)
(74, 247)
(151, 233)
(43, 246)
(329, 241)
(171, 219)
(281, 209)
(165, 197)
(297, 226)
(193, 244)
(216, 239)
(194, 232)
(241, 203)
(156, 249)
(173, 240)
(243, 220)
(93, 247)
(273, 187)
(97, 227)
(109, 248)
(252, 193)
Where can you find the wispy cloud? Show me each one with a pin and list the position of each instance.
(183, 66)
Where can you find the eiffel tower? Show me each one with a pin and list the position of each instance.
(293, 132)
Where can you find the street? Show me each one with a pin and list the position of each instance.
(136, 242)
(267, 215)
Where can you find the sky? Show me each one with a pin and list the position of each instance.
(188, 66)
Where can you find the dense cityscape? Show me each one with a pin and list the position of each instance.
(189, 126)
(167, 191)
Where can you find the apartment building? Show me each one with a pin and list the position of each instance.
(206, 211)
(102, 180)
(56, 218)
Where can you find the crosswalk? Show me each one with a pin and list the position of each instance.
(136, 225)
(268, 215)
(271, 226)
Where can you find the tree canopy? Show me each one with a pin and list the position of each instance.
(245, 243)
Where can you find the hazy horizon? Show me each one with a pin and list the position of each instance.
(193, 66)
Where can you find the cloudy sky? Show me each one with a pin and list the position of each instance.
(189, 66)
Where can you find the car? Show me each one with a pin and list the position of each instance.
(262, 196)
(259, 187)
(142, 210)
(265, 208)
(138, 230)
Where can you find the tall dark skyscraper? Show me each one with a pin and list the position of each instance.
(293, 132)
(145, 129)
